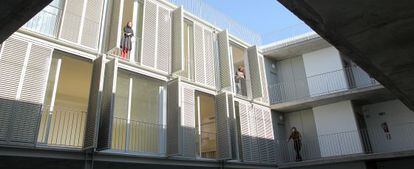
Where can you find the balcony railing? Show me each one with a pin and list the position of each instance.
(138, 136)
(62, 127)
(217, 18)
(322, 84)
(399, 137)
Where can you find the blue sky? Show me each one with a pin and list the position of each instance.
(269, 18)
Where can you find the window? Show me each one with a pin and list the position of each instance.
(66, 102)
(47, 21)
(238, 54)
(206, 126)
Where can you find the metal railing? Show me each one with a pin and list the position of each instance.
(62, 127)
(116, 51)
(352, 77)
(208, 146)
(46, 21)
(399, 137)
(138, 136)
(217, 18)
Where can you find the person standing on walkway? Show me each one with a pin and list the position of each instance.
(126, 42)
(297, 142)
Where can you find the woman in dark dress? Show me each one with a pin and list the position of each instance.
(297, 142)
(126, 43)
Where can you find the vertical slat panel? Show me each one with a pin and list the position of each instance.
(178, 40)
(254, 70)
(270, 139)
(261, 134)
(253, 134)
(265, 91)
(6, 108)
(25, 120)
(114, 29)
(188, 121)
(35, 79)
(199, 54)
(108, 101)
(90, 32)
(94, 105)
(224, 60)
(209, 58)
(174, 135)
(223, 126)
(11, 66)
(149, 34)
(245, 132)
(164, 40)
(71, 20)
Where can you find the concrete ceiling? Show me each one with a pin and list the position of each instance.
(378, 35)
(15, 13)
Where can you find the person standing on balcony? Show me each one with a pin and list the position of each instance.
(240, 77)
(126, 42)
(297, 142)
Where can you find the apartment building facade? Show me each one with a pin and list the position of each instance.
(346, 118)
(69, 100)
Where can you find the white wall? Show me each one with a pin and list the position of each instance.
(337, 129)
(328, 62)
(400, 122)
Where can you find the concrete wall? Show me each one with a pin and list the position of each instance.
(400, 121)
(324, 71)
(337, 129)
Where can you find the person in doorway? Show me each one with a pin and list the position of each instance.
(297, 142)
(240, 77)
(126, 40)
(386, 130)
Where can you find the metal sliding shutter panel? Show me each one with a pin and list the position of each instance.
(178, 40)
(188, 122)
(270, 140)
(223, 128)
(25, 121)
(261, 134)
(90, 33)
(254, 70)
(245, 132)
(71, 20)
(233, 129)
(95, 100)
(199, 54)
(149, 34)
(6, 108)
(11, 64)
(224, 61)
(173, 119)
(265, 97)
(164, 40)
(209, 58)
(253, 134)
(114, 25)
(108, 100)
(35, 79)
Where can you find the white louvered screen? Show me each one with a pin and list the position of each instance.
(261, 134)
(224, 59)
(199, 54)
(149, 34)
(72, 17)
(209, 58)
(254, 70)
(178, 40)
(12, 58)
(188, 121)
(36, 74)
(253, 133)
(174, 134)
(114, 29)
(90, 32)
(246, 137)
(270, 139)
(223, 126)
(163, 56)
(265, 91)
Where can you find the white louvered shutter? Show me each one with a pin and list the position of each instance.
(108, 101)
(149, 34)
(36, 74)
(178, 40)
(244, 131)
(254, 70)
(71, 20)
(199, 54)
(265, 91)
(223, 126)
(224, 61)
(270, 139)
(163, 56)
(90, 32)
(209, 58)
(174, 134)
(188, 121)
(253, 134)
(11, 62)
(115, 27)
(261, 134)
